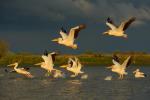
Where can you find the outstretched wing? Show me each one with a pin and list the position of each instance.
(73, 34)
(124, 25)
(46, 59)
(53, 57)
(63, 33)
(70, 62)
(127, 62)
(110, 23)
(115, 62)
(116, 58)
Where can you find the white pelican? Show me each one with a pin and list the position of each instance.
(120, 30)
(48, 61)
(139, 74)
(73, 66)
(22, 71)
(48, 64)
(68, 40)
(120, 68)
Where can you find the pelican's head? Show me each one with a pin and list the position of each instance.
(109, 67)
(57, 40)
(64, 66)
(39, 64)
(106, 33)
(14, 64)
(75, 46)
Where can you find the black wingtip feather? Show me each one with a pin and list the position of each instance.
(45, 52)
(109, 20)
(129, 62)
(63, 30)
(116, 58)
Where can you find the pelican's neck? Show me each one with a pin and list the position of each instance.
(15, 67)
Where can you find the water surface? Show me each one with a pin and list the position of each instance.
(17, 87)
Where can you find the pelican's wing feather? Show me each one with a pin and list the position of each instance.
(53, 57)
(109, 20)
(115, 63)
(126, 62)
(124, 25)
(111, 25)
(70, 61)
(116, 58)
(46, 59)
(73, 34)
(63, 35)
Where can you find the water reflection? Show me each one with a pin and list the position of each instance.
(74, 82)
(15, 87)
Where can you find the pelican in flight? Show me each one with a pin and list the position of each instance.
(73, 66)
(22, 71)
(120, 68)
(48, 64)
(120, 30)
(68, 39)
(139, 74)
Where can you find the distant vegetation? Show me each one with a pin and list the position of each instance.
(138, 58)
(87, 58)
(3, 48)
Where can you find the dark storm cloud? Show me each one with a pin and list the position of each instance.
(36, 18)
(59, 10)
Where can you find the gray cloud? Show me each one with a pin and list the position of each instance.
(117, 10)
(57, 10)
(38, 21)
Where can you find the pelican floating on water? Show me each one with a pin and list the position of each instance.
(139, 74)
(120, 30)
(120, 68)
(68, 40)
(22, 71)
(48, 64)
(73, 66)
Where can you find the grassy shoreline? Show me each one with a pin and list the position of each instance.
(94, 59)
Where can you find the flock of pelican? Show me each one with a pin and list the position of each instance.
(74, 65)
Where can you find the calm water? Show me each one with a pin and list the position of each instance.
(16, 87)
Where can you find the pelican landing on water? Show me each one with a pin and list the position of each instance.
(73, 66)
(120, 30)
(68, 40)
(48, 64)
(139, 74)
(120, 68)
(22, 71)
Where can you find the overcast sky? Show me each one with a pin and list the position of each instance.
(30, 25)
